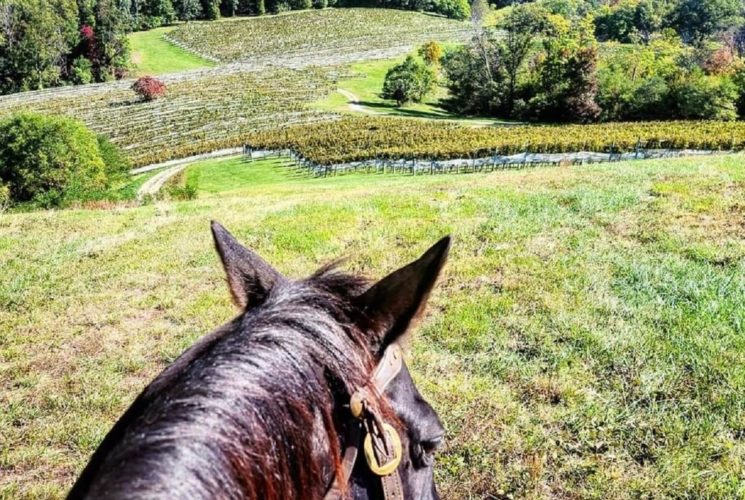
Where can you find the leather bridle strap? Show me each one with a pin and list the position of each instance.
(381, 439)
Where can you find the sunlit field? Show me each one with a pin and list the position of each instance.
(587, 339)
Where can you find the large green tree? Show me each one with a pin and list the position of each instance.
(49, 160)
(696, 20)
(409, 81)
(35, 41)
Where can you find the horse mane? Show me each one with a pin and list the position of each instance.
(249, 411)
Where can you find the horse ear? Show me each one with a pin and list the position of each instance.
(250, 278)
(395, 302)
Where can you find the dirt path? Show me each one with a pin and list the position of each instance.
(173, 167)
(354, 103)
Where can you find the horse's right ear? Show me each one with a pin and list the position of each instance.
(250, 278)
(393, 304)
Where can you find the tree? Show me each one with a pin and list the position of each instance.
(470, 91)
(49, 160)
(149, 88)
(409, 81)
(706, 97)
(522, 27)
(696, 20)
(186, 10)
(211, 9)
(431, 52)
(564, 85)
(35, 44)
(154, 13)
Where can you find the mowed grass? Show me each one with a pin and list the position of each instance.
(366, 80)
(154, 55)
(587, 339)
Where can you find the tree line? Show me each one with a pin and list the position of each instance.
(585, 61)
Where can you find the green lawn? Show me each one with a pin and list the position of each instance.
(220, 175)
(586, 341)
(153, 55)
(366, 83)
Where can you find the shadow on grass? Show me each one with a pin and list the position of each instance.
(429, 115)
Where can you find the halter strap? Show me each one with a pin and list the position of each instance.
(381, 441)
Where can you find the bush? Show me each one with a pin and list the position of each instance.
(149, 88)
(117, 165)
(431, 52)
(706, 98)
(409, 81)
(49, 161)
(82, 71)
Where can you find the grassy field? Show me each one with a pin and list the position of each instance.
(365, 81)
(153, 55)
(586, 341)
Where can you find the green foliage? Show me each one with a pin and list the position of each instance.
(5, 199)
(455, 9)
(82, 71)
(154, 13)
(699, 96)
(409, 81)
(117, 164)
(695, 20)
(492, 75)
(49, 161)
(631, 20)
(661, 81)
(211, 9)
(36, 44)
(187, 10)
(431, 52)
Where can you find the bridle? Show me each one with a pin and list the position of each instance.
(381, 444)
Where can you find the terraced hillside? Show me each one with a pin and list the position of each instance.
(202, 111)
(321, 37)
(208, 109)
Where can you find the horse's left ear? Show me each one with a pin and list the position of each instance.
(250, 278)
(391, 306)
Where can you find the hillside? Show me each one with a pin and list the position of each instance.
(586, 340)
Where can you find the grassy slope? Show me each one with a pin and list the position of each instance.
(587, 339)
(153, 55)
(366, 83)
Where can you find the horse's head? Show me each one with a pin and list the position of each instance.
(303, 395)
(385, 396)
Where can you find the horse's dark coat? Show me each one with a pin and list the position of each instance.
(256, 408)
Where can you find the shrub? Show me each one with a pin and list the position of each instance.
(431, 52)
(706, 98)
(82, 71)
(409, 81)
(117, 165)
(149, 88)
(49, 160)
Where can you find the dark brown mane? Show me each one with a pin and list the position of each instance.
(249, 411)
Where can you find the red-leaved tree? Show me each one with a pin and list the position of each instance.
(149, 88)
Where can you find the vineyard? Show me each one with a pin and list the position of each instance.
(215, 110)
(364, 138)
(315, 34)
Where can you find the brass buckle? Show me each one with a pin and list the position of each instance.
(372, 461)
